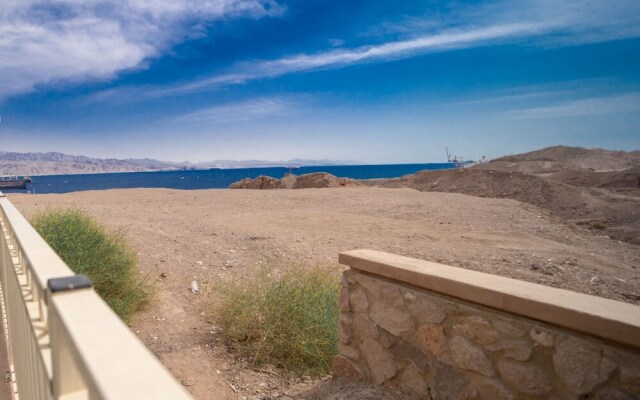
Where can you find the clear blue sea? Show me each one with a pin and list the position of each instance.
(208, 179)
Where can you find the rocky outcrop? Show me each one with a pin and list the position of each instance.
(290, 181)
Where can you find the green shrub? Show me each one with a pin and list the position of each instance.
(104, 256)
(286, 319)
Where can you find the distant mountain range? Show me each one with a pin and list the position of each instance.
(54, 163)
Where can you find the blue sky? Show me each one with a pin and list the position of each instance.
(368, 81)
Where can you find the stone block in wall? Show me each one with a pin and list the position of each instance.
(412, 381)
(515, 349)
(611, 394)
(425, 311)
(581, 365)
(372, 285)
(541, 337)
(378, 359)
(491, 389)
(365, 326)
(348, 351)
(630, 377)
(344, 367)
(358, 301)
(527, 378)
(467, 356)
(391, 319)
(477, 329)
(345, 325)
(508, 328)
(432, 339)
(344, 305)
(391, 296)
(450, 383)
(404, 350)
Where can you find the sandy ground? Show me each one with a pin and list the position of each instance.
(213, 235)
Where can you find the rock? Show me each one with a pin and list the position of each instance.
(630, 378)
(410, 297)
(348, 351)
(404, 350)
(491, 389)
(364, 327)
(378, 359)
(290, 181)
(611, 394)
(386, 339)
(449, 383)
(358, 300)
(580, 365)
(194, 287)
(345, 328)
(527, 378)
(372, 285)
(391, 296)
(508, 328)
(391, 319)
(519, 350)
(343, 367)
(469, 392)
(344, 299)
(541, 337)
(425, 311)
(432, 338)
(323, 180)
(465, 355)
(477, 329)
(412, 381)
(261, 182)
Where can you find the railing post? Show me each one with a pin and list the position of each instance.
(66, 376)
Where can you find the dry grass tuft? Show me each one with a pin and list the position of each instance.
(286, 319)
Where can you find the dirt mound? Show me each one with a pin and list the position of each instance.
(561, 157)
(627, 178)
(290, 181)
(575, 166)
(610, 212)
(560, 198)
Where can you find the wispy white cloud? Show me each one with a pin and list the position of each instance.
(337, 58)
(617, 104)
(44, 42)
(536, 23)
(78, 40)
(239, 111)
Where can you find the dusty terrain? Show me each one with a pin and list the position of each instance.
(595, 188)
(214, 235)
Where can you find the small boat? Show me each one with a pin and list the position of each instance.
(14, 182)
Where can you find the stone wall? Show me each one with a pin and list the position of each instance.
(436, 346)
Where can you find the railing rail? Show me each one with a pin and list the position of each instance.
(66, 344)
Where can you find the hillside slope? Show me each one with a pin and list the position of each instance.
(53, 163)
(596, 188)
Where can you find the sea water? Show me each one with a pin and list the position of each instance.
(208, 179)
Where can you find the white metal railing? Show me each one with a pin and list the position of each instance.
(64, 342)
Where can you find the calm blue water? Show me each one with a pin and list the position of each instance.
(207, 179)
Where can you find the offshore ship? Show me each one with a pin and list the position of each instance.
(14, 182)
